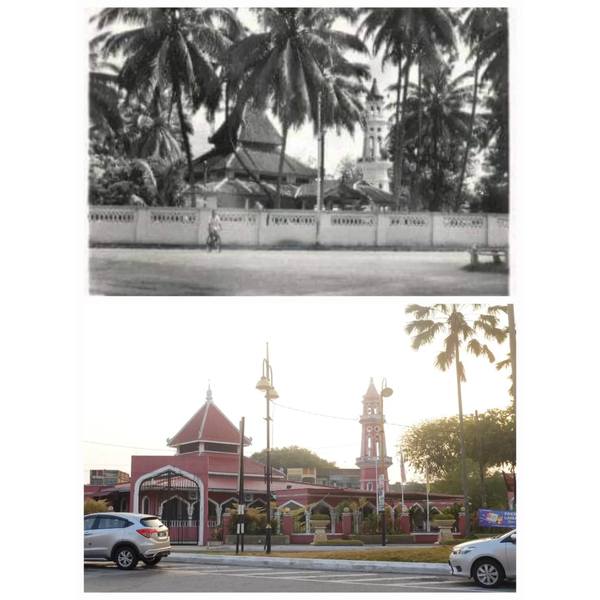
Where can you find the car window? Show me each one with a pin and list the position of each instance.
(151, 522)
(111, 523)
(88, 523)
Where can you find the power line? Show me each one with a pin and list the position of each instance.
(121, 446)
(353, 419)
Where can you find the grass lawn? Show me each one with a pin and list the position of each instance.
(429, 555)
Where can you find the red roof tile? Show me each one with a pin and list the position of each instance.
(229, 463)
(208, 424)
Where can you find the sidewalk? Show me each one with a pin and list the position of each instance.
(202, 556)
(287, 548)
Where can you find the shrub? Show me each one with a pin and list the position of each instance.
(443, 517)
(340, 542)
(319, 517)
(93, 506)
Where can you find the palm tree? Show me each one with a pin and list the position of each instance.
(103, 90)
(151, 131)
(405, 34)
(511, 332)
(450, 322)
(284, 68)
(478, 25)
(438, 121)
(172, 50)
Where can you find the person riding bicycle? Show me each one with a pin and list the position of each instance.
(214, 228)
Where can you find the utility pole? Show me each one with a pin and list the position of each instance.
(239, 538)
(320, 154)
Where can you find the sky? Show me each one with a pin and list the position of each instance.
(145, 381)
(302, 143)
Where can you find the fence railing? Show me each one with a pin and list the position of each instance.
(252, 228)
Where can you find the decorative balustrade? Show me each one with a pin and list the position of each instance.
(463, 221)
(350, 219)
(114, 216)
(173, 217)
(409, 221)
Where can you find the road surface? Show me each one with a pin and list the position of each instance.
(247, 272)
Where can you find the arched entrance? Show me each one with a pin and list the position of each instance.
(177, 498)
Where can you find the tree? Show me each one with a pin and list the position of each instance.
(477, 24)
(348, 171)
(293, 456)
(490, 443)
(284, 68)
(403, 34)
(172, 50)
(450, 321)
(441, 127)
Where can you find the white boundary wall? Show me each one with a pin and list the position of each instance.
(189, 227)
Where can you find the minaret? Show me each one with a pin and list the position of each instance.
(374, 163)
(372, 445)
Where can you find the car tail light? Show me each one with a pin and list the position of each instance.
(147, 532)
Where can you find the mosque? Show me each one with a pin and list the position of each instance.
(192, 490)
(241, 169)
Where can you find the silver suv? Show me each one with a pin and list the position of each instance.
(125, 538)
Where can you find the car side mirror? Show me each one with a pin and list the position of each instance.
(513, 538)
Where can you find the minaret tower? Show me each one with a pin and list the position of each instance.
(374, 163)
(372, 442)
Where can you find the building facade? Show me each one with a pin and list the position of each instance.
(193, 489)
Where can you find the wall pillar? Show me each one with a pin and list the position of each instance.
(226, 520)
(462, 523)
(405, 522)
(333, 517)
(287, 524)
(346, 522)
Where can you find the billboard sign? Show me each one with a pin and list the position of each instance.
(497, 518)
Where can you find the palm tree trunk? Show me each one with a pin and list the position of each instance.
(186, 140)
(407, 65)
(249, 172)
(281, 161)
(463, 464)
(480, 462)
(435, 204)
(512, 341)
(397, 131)
(470, 135)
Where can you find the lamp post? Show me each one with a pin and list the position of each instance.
(385, 392)
(265, 384)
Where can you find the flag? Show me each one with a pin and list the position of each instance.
(402, 471)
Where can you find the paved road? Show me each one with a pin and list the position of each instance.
(174, 577)
(244, 272)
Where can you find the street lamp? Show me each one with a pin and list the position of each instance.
(265, 384)
(385, 392)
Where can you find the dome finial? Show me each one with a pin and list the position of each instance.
(209, 393)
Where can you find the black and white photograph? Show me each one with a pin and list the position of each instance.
(299, 151)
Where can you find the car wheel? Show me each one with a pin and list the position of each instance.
(126, 557)
(152, 562)
(488, 573)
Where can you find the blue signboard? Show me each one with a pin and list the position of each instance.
(497, 518)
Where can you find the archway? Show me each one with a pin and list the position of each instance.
(174, 493)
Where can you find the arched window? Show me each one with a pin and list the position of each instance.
(371, 148)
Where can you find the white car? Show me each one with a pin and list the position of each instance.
(489, 561)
